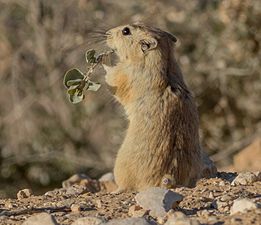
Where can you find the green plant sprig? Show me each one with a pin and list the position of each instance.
(77, 82)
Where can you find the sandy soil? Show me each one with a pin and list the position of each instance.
(209, 202)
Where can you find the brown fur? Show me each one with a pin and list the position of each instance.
(122, 88)
(162, 137)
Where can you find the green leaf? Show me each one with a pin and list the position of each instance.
(74, 82)
(90, 56)
(93, 86)
(72, 90)
(76, 98)
(72, 74)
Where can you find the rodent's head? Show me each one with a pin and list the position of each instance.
(135, 42)
(145, 61)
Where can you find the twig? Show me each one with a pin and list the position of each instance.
(35, 210)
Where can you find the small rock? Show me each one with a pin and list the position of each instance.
(137, 211)
(212, 219)
(171, 213)
(161, 220)
(211, 195)
(222, 183)
(88, 221)
(179, 218)
(75, 179)
(225, 198)
(258, 175)
(244, 178)
(242, 205)
(108, 186)
(204, 213)
(98, 203)
(219, 205)
(107, 182)
(107, 177)
(81, 181)
(55, 192)
(158, 200)
(25, 193)
(128, 221)
(75, 190)
(41, 219)
(75, 208)
(8, 205)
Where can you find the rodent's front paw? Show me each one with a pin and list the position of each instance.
(109, 59)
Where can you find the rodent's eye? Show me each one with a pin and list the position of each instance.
(126, 31)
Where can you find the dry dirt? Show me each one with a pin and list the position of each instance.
(209, 202)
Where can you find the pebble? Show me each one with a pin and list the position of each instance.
(245, 178)
(222, 183)
(137, 211)
(8, 205)
(89, 220)
(225, 198)
(179, 218)
(75, 208)
(25, 193)
(108, 186)
(158, 200)
(221, 205)
(128, 221)
(203, 213)
(242, 205)
(76, 190)
(161, 220)
(98, 203)
(211, 195)
(258, 175)
(40, 219)
(107, 177)
(74, 179)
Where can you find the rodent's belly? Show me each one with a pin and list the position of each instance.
(137, 170)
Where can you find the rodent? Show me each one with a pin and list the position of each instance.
(162, 136)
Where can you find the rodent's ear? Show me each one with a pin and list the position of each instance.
(148, 44)
(171, 36)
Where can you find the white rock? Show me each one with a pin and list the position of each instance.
(40, 219)
(128, 221)
(107, 177)
(242, 205)
(258, 175)
(245, 178)
(25, 193)
(137, 211)
(179, 218)
(75, 179)
(89, 220)
(158, 200)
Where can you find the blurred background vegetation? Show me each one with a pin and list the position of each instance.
(44, 139)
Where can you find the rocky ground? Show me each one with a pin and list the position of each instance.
(229, 198)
